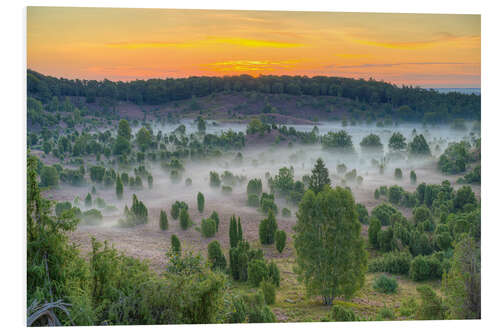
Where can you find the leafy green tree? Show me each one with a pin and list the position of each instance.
(331, 256)
(319, 177)
(201, 202)
(371, 144)
(143, 138)
(150, 181)
(239, 230)
(121, 146)
(124, 130)
(398, 174)
(462, 283)
(419, 147)
(338, 142)
(397, 142)
(119, 188)
(175, 243)
(280, 240)
(163, 220)
(267, 229)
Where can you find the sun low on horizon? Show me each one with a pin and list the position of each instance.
(119, 44)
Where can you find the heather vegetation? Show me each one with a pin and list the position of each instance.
(240, 199)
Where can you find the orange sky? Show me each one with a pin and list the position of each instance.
(125, 44)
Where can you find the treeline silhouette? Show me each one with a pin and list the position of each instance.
(406, 102)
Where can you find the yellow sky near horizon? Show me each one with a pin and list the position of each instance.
(430, 50)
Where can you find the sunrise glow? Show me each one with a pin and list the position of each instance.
(128, 44)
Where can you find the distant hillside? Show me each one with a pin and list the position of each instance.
(313, 98)
(467, 91)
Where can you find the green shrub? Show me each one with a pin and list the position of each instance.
(392, 262)
(253, 200)
(425, 268)
(377, 194)
(408, 308)
(385, 284)
(92, 216)
(342, 313)
(216, 256)
(413, 177)
(177, 207)
(208, 227)
(398, 174)
(257, 271)
(274, 273)
(431, 306)
(88, 200)
(163, 220)
(269, 291)
(185, 220)
(227, 190)
(254, 187)
(267, 229)
(362, 213)
(395, 194)
(385, 313)
(188, 181)
(280, 240)
(214, 179)
(214, 216)
(258, 311)
(62, 207)
(383, 212)
(175, 243)
(201, 202)
(373, 230)
(286, 212)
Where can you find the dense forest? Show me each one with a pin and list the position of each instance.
(405, 103)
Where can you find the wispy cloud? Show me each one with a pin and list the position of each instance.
(440, 38)
(250, 65)
(209, 41)
(399, 64)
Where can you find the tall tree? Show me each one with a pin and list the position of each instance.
(233, 232)
(119, 188)
(331, 258)
(319, 177)
(201, 202)
(124, 129)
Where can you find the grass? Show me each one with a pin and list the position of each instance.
(293, 304)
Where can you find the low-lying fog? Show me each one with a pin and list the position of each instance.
(150, 242)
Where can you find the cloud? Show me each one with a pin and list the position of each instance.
(439, 39)
(398, 64)
(206, 42)
(250, 65)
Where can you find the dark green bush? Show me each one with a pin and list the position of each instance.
(163, 220)
(392, 262)
(214, 216)
(257, 271)
(267, 229)
(425, 268)
(362, 213)
(175, 243)
(92, 216)
(216, 256)
(269, 291)
(201, 202)
(342, 313)
(208, 227)
(385, 284)
(280, 240)
(286, 212)
(253, 200)
(185, 220)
